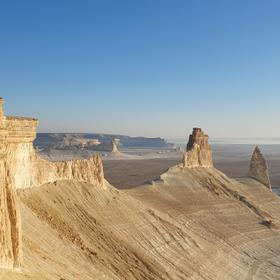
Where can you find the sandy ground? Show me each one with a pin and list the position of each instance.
(233, 160)
(131, 173)
(132, 167)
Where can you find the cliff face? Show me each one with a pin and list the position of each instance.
(27, 169)
(21, 167)
(10, 223)
(198, 152)
(259, 168)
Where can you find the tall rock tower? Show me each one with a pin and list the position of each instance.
(10, 223)
(259, 168)
(198, 152)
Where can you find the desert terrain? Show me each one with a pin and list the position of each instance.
(136, 213)
(190, 224)
(231, 159)
(139, 140)
(141, 159)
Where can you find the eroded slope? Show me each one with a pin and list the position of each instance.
(191, 224)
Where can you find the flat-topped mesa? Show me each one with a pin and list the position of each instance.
(198, 151)
(21, 167)
(259, 168)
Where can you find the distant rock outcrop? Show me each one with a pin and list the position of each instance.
(114, 146)
(21, 167)
(198, 152)
(259, 168)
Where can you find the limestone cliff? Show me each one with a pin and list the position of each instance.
(259, 168)
(10, 223)
(198, 152)
(21, 167)
(27, 169)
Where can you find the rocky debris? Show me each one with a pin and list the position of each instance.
(198, 152)
(21, 167)
(259, 168)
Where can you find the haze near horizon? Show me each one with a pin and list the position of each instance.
(151, 68)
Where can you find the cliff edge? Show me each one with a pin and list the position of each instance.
(21, 167)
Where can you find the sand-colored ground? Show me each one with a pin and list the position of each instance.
(190, 224)
(131, 173)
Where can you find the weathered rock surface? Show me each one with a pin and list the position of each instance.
(259, 168)
(194, 223)
(21, 167)
(27, 169)
(198, 152)
(10, 224)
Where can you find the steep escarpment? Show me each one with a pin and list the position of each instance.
(10, 223)
(27, 169)
(21, 167)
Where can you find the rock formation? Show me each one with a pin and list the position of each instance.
(259, 168)
(27, 169)
(21, 167)
(10, 228)
(114, 146)
(198, 152)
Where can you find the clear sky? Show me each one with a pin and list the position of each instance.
(143, 67)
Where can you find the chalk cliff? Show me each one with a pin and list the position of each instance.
(198, 152)
(21, 167)
(259, 168)
(27, 169)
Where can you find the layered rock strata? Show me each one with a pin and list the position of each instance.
(198, 151)
(259, 168)
(21, 167)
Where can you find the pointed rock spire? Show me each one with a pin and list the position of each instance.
(114, 146)
(259, 168)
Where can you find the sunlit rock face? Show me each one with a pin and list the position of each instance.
(21, 167)
(259, 168)
(27, 169)
(10, 223)
(198, 152)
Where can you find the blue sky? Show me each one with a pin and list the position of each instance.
(143, 67)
